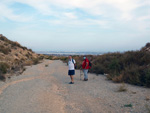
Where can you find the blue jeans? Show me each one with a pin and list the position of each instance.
(85, 71)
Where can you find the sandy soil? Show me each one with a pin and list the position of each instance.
(45, 89)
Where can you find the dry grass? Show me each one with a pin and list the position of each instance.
(28, 63)
(148, 108)
(4, 49)
(46, 65)
(108, 77)
(3, 67)
(13, 57)
(147, 98)
(118, 79)
(133, 92)
(122, 88)
(2, 78)
(35, 60)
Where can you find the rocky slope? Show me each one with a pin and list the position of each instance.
(13, 57)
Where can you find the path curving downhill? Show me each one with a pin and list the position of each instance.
(45, 89)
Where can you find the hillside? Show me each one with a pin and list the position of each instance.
(146, 48)
(13, 57)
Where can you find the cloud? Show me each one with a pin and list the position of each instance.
(95, 7)
(100, 7)
(144, 18)
(6, 12)
(41, 5)
(70, 15)
(96, 12)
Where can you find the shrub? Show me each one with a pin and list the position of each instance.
(24, 48)
(15, 44)
(114, 66)
(147, 45)
(30, 50)
(122, 88)
(4, 50)
(28, 63)
(147, 77)
(130, 67)
(41, 57)
(64, 59)
(148, 108)
(2, 77)
(117, 79)
(128, 105)
(50, 57)
(46, 65)
(35, 61)
(3, 67)
(27, 55)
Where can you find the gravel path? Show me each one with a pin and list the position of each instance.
(45, 89)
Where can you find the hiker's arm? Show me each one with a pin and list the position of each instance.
(74, 63)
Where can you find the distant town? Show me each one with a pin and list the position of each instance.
(64, 53)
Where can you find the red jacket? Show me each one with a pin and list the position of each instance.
(84, 64)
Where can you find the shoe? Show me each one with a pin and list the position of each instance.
(85, 80)
(71, 83)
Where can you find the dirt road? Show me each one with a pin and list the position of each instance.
(44, 88)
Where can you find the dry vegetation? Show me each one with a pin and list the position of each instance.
(122, 88)
(13, 57)
(130, 67)
(148, 108)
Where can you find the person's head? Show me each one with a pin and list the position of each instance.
(70, 57)
(84, 57)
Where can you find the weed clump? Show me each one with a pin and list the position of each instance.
(35, 61)
(4, 49)
(122, 88)
(3, 67)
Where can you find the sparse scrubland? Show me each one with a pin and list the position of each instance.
(13, 57)
(131, 67)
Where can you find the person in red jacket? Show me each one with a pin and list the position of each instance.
(85, 67)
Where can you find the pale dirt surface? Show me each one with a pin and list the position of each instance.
(42, 89)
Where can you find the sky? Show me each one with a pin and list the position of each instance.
(77, 25)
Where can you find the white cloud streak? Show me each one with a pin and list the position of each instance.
(6, 12)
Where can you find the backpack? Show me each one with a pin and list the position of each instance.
(74, 64)
(90, 64)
